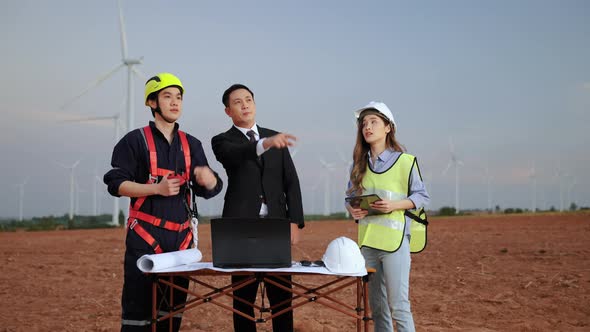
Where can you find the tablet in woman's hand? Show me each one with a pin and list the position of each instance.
(363, 201)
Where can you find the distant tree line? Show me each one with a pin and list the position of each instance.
(104, 221)
(450, 211)
(58, 223)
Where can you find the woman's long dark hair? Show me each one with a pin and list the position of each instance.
(360, 154)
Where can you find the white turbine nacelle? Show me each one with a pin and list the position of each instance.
(129, 62)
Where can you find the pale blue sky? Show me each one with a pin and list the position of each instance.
(509, 81)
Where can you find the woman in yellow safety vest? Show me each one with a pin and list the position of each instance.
(386, 234)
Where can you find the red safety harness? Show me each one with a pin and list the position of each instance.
(135, 214)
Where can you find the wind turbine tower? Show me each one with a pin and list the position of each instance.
(327, 197)
(347, 169)
(489, 189)
(72, 185)
(77, 200)
(559, 176)
(571, 183)
(21, 196)
(533, 177)
(116, 123)
(456, 163)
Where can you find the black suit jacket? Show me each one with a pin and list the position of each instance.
(271, 177)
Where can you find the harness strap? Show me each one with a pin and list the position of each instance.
(159, 222)
(155, 172)
(187, 241)
(187, 154)
(132, 224)
(151, 145)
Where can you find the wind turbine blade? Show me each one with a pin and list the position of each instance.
(325, 164)
(123, 36)
(95, 118)
(93, 85)
(293, 152)
(139, 74)
(448, 167)
(61, 165)
(76, 163)
(451, 146)
(341, 155)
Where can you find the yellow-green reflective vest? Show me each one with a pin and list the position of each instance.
(386, 231)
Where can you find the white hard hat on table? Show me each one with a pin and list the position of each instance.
(344, 256)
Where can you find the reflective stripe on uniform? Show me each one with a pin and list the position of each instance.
(136, 322)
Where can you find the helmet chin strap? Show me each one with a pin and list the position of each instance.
(159, 111)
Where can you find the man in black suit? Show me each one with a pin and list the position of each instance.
(262, 182)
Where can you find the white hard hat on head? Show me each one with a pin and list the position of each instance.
(344, 256)
(379, 107)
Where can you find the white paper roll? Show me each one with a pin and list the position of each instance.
(155, 262)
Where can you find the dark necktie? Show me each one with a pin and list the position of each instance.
(252, 135)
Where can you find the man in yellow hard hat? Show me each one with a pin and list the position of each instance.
(158, 166)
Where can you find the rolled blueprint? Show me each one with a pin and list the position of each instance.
(155, 262)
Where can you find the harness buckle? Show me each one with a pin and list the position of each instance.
(133, 223)
(153, 179)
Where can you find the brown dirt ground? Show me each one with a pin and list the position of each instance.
(478, 273)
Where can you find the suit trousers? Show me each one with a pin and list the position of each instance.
(282, 323)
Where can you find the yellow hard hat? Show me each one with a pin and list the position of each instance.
(159, 82)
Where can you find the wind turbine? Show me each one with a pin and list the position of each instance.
(570, 186)
(347, 163)
(314, 189)
(327, 197)
(126, 62)
(456, 163)
(77, 200)
(489, 189)
(117, 124)
(96, 205)
(559, 175)
(21, 195)
(72, 185)
(533, 178)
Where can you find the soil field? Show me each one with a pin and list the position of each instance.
(478, 273)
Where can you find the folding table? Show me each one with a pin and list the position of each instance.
(302, 294)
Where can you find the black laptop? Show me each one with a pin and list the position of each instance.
(251, 242)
